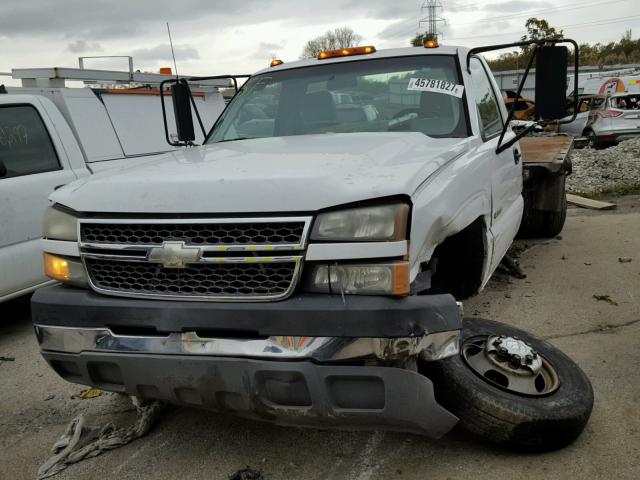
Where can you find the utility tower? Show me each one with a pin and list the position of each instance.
(430, 18)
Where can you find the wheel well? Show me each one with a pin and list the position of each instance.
(457, 263)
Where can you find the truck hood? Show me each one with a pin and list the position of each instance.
(281, 174)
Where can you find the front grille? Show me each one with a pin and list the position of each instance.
(201, 279)
(235, 233)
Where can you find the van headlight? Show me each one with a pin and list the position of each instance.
(360, 279)
(59, 225)
(376, 223)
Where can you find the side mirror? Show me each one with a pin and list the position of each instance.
(3, 169)
(181, 95)
(551, 82)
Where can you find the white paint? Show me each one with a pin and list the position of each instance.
(355, 250)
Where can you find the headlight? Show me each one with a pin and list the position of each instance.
(65, 270)
(374, 223)
(59, 225)
(365, 279)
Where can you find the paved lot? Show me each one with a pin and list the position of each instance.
(555, 301)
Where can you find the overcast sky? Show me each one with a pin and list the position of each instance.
(240, 36)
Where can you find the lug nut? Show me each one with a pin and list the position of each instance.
(497, 341)
(515, 360)
(502, 351)
(529, 359)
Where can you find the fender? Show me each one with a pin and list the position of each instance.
(448, 202)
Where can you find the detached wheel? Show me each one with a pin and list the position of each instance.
(512, 388)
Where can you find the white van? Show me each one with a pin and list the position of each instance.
(52, 134)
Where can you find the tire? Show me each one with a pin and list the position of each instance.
(524, 423)
(543, 223)
(593, 140)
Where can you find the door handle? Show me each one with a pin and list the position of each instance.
(516, 156)
(59, 186)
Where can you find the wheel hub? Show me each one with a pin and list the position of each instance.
(511, 364)
(513, 351)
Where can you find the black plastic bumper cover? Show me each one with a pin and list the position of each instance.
(305, 315)
(300, 394)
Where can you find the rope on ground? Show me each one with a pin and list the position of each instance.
(81, 441)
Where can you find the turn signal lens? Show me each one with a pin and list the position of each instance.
(56, 268)
(363, 279)
(275, 62)
(346, 52)
(431, 44)
(65, 270)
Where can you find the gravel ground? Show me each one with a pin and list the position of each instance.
(613, 170)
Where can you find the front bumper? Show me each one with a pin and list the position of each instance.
(312, 360)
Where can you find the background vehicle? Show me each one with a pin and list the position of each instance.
(586, 103)
(51, 135)
(303, 266)
(523, 108)
(617, 119)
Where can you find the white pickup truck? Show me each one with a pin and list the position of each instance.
(51, 135)
(303, 265)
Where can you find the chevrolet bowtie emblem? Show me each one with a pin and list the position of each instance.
(174, 255)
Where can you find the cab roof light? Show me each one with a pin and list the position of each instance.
(346, 52)
(431, 43)
(166, 71)
(275, 62)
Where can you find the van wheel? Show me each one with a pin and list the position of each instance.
(512, 388)
(543, 223)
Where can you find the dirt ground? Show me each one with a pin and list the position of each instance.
(556, 301)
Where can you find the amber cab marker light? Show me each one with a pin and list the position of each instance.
(431, 44)
(346, 52)
(166, 71)
(401, 279)
(56, 268)
(275, 62)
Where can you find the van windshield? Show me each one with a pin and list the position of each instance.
(420, 93)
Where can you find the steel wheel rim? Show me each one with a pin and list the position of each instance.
(502, 375)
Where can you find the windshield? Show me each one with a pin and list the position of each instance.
(421, 93)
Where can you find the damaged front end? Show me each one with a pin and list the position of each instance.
(368, 381)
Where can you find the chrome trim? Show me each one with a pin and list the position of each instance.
(219, 247)
(430, 347)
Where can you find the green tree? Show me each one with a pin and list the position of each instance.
(420, 38)
(538, 29)
(343, 37)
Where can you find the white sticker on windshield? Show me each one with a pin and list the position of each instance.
(438, 86)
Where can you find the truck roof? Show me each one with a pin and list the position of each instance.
(385, 53)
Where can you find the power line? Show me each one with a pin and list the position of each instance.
(539, 12)
(433, 8)
(586, 24)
